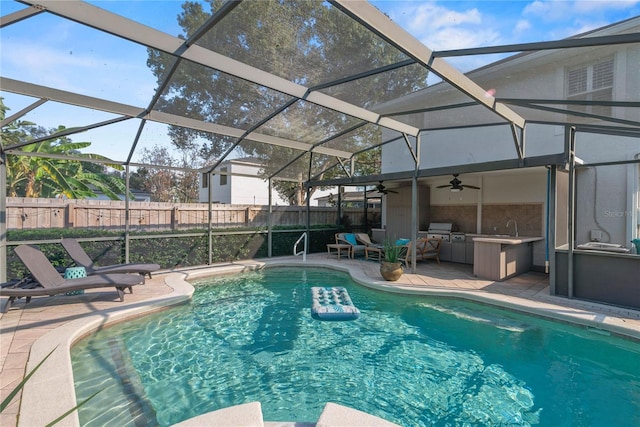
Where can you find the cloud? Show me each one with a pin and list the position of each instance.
(521, 26)
(441, 28)
(434, 17)
(553, 10)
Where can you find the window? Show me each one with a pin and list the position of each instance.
(205, 180)
(591, 83)
(223, 176)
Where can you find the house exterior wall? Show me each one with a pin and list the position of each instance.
(539, 75)
(239, 189)
(244, 186)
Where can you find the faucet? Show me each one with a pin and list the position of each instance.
(515, 223)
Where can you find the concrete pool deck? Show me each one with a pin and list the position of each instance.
(28, 334)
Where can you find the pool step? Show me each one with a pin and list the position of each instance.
(250, 415)
(334, 415)
(245, 415)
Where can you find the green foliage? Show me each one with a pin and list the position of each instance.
(7, 400)
(391, 251)
(44, 174)
(168, 252)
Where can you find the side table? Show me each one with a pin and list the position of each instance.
(339, 248)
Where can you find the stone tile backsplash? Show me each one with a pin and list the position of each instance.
(494, 218)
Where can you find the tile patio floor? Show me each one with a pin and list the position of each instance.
(21, 326)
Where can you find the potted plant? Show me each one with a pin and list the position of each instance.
(391, 267)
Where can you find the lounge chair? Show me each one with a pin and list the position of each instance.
(80, 257)
(51, 282)
(369, 246)
(350, 239)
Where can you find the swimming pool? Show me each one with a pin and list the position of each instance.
(411, 360)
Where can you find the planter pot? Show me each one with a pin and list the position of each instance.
(391, 271)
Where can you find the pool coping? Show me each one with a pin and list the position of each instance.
(40, 405)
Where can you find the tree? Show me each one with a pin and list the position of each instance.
(42, 176)
(166, 184)
(302, 41)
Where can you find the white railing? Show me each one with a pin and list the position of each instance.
(304, 247)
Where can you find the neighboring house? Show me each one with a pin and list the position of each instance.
(354, 199)
(607, 196)
(238, 182)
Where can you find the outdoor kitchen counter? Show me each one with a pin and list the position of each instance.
(498, 257)
(504, 240)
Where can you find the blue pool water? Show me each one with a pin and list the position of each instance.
(415, 361)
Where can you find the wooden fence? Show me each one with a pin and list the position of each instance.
(37, 213)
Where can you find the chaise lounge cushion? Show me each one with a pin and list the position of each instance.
(351, 238)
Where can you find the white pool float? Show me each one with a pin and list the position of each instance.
(332, 303)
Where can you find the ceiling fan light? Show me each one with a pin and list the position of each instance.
(456, 189)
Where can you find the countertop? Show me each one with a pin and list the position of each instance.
(504, 239)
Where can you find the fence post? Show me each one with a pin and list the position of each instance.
(175, 218)
(69, 218)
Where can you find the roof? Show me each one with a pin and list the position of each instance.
(225, 83)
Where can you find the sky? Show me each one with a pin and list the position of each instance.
(36, 50)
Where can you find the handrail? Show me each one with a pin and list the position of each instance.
(304, 248)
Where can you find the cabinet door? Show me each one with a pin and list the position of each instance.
(469, 253)
(458, 250)
(445, 251)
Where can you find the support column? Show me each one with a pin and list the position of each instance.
(551, 226)
(270, 221)
(414, 205)
(570, 135)
(210, 216)
(127, 214)
(3, 217)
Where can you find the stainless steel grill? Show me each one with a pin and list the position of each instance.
(440, 230)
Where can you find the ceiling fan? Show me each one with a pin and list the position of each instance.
(456, 185)
(382, 189)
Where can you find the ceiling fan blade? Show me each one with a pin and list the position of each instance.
(470, 186)
(444, 186)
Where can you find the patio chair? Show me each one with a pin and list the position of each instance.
(350, 239)
(431, 249)
(80, 257)
(369, 246)
(426, 248)
(50, 282)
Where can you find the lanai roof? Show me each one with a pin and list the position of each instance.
(310, 117)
